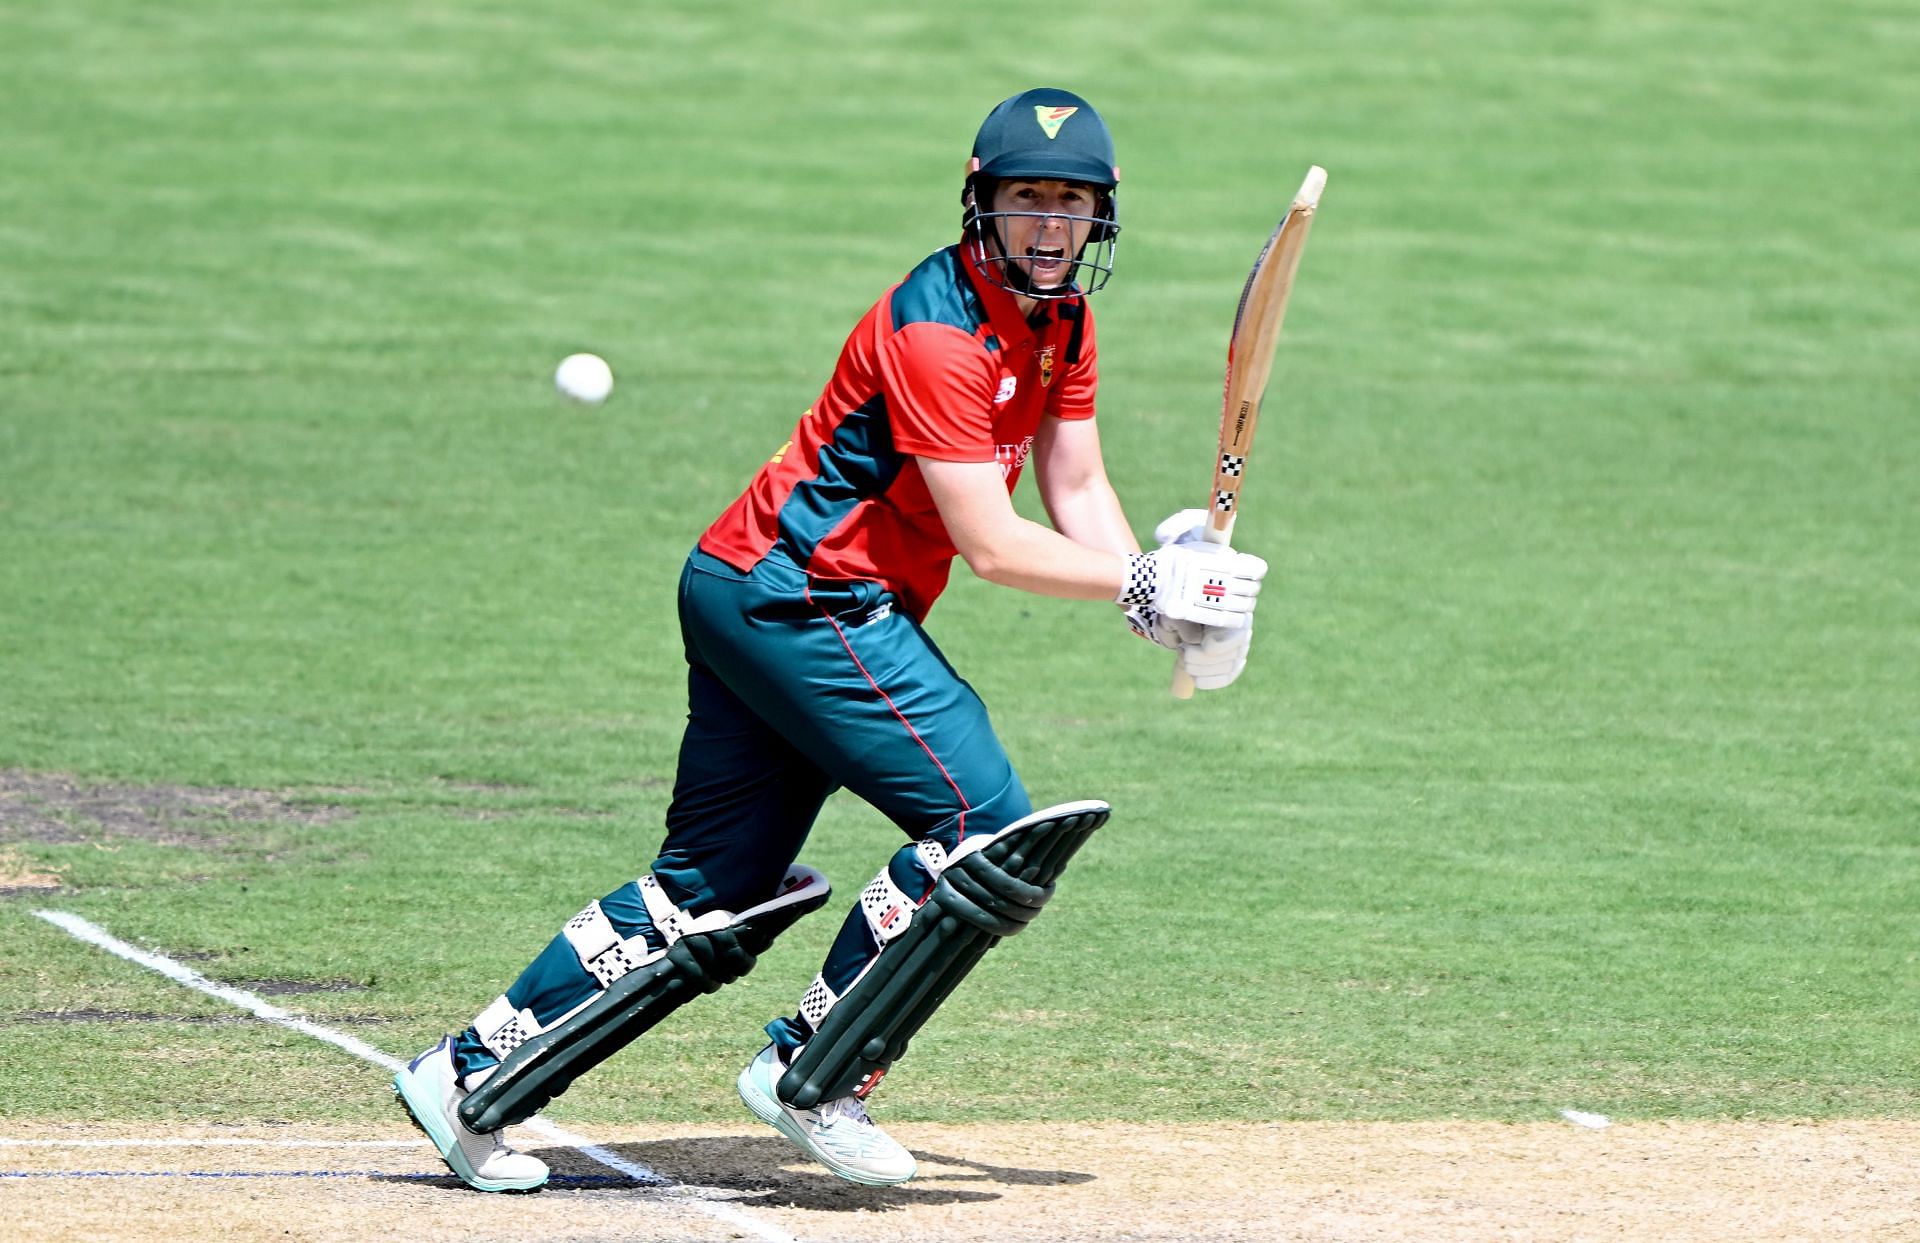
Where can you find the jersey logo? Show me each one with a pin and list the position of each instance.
(1051, 119)
(1046, 366)
(1012, 457)
(1007, 385)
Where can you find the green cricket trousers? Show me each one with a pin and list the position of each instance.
(797, 687)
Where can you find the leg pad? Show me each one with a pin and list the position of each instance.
(699, 961)
(991, 887)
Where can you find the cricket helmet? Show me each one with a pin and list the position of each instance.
(1044, 134)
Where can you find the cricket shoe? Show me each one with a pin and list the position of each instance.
(431, 1091)
(838, 1133)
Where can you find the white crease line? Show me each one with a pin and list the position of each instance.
(184, 1142)
(92, 934)
(75, 926)
(632, 1169)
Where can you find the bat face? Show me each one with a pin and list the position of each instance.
(1256, 330)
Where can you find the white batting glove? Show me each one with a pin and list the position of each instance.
(1219, 655)
(1150, 623)
(1209, 583)
(1185, 527)
(1155, 627)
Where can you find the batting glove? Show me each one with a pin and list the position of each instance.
(1155, 627)
(1219, 655)
(1210, 584)
(1185, 527)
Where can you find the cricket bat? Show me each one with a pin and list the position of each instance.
(1256, 330)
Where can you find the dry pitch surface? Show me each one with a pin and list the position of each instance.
(1199, 1184)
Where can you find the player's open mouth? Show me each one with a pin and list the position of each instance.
(1047, 259)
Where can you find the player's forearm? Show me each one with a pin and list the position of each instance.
(1091, 515)
(1002, 547)
(1030, 557)
(1074, 486)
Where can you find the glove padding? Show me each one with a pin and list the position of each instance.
(1218, 656)
(1186, 527)
(1153, 626)
(1206, 583)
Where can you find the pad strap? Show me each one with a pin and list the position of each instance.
(705, 953)
(504, 1028)
(888, 907)
(603, 952)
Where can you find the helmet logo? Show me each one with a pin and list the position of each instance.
(1051, 119)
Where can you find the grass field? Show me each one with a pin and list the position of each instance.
(1578, 764)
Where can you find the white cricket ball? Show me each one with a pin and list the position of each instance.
(584, 377)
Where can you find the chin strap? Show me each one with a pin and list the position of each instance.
(1008, 275)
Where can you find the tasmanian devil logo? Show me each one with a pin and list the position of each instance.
(1046, 366)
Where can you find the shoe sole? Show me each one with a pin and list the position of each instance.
(427, 1118)
(770, 1112)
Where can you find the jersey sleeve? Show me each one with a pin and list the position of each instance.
(939, 388)
(1073, 396)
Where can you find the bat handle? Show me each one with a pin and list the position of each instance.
(1182, 687)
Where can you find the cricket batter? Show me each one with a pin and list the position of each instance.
(809, 670)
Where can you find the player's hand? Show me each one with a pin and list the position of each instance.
(1206, 583)
(1219, 655)
(1155, 627)
(1185, 527)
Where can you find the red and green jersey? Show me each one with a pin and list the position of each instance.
(944, 366)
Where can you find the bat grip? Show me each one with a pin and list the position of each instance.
(1182, 687)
